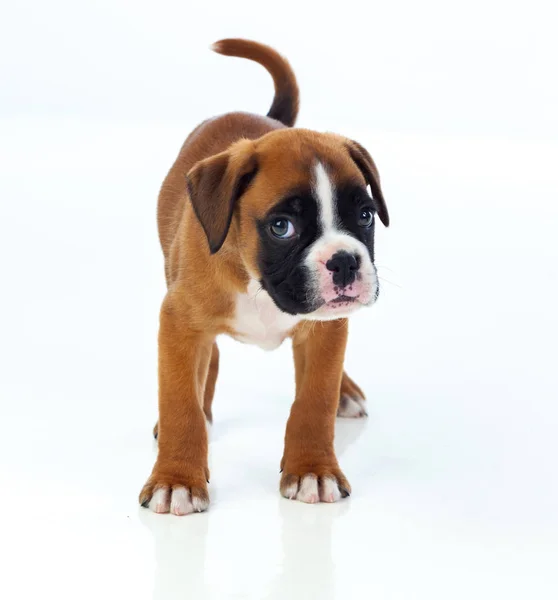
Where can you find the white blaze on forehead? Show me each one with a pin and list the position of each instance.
(324, 192)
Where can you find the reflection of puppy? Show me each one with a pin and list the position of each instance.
(268, 233)
(180, 566)
(311, 573)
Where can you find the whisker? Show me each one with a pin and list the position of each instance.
(391, 282)
(384, 267)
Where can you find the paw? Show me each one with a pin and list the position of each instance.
(352, 403)
(352, 407)
(177, 495)
(312, 488)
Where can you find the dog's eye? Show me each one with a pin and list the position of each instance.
(365, 218)
(282, 228)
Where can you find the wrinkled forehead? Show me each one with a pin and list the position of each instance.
(292, 162)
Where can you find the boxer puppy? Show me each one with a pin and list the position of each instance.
(268, 234)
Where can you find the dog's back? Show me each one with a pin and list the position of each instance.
(217, 134)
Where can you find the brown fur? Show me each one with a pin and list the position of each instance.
(208, 263)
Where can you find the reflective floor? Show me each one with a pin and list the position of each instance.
(455, 492)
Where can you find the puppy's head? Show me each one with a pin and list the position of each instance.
(295, 204)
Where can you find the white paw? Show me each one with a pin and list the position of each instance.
(310, 490)
(178, 501)
(329, 490)
(352, 407)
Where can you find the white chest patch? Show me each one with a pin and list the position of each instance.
(258, 321)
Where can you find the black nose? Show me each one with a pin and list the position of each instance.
(344, 267)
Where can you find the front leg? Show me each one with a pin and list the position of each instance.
(309, 465)
(178, 482)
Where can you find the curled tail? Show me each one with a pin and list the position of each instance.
(285, 102)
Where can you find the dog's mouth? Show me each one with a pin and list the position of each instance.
(339, 307)
(342, 300)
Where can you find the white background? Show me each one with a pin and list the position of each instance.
(454, 472)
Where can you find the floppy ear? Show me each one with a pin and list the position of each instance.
(214, 186)
(365, 163)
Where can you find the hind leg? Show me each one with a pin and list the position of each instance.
(209, 392)
(352, 403)
(210, 380)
